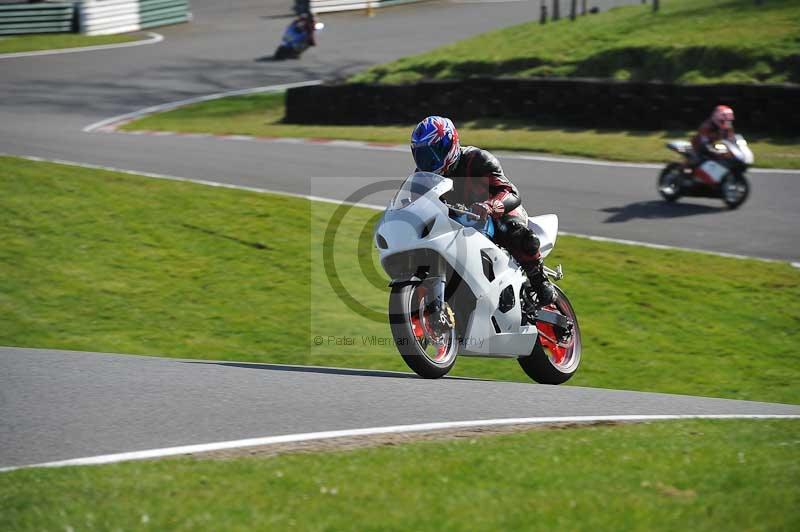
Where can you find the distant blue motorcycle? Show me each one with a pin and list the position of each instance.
(299, 35)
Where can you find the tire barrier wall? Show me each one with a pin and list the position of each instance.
(328, 6)
(581, 103)
(24, 18)
(104, 17)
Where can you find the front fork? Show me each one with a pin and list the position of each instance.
(440, 315)
(553, 326)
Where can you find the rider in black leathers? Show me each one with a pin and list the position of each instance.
(480, 183)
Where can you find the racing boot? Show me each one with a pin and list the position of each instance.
(540, 285)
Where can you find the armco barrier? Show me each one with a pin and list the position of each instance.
(102, 17)
(163, 12)
(327, 6)
(581, 103)
(49, 17)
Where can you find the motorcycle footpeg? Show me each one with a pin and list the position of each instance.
(556, 274)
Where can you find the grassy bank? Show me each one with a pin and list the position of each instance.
(99, 261)
(688, 41)
(56, 41)
(698, 475)
(262, 115)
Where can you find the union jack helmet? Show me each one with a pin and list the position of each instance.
(435, 146)
(722, 116)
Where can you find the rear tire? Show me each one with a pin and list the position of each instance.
(669, 182)
(404, 302)
(541, 365)
(734, 190)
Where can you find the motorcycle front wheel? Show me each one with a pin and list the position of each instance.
(555, 358)
(734, 189)
(426, 354)
(669, 180)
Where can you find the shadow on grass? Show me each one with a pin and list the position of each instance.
(254, 245)
(327, 371)
(657, 210)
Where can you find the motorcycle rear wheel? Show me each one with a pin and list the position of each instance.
(668, 183)
(734, 189)
(548, 364)
(412, 336)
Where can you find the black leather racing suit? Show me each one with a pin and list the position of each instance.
(478, 177)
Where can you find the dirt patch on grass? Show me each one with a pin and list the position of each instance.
(380, 440)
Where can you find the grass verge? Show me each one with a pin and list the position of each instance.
(56, 41)
(687, 41)
(262, 115)
(694, 475)
(101, 261)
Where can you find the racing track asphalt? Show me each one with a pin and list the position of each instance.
(57, 405)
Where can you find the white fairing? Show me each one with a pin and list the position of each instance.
(741, 150)
(712, 171)
(417, 219)
(546, 228)
(738, 148)
(680, 146)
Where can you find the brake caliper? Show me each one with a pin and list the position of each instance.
(555, 332)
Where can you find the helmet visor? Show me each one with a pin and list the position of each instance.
(428, 158)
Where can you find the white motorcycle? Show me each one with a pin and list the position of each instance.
(454, 292)
(721, 177)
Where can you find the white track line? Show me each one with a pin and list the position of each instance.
(372, 206)
(666, 247)
(153, 39)
(618, 164)
(397, 429)
(196, 181)
(365, 145)
(120, 119)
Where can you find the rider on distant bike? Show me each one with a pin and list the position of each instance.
(306, 24)
(719, 126)
(479, 182)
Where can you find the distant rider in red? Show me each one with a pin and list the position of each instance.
(719, 126)
(479, 182)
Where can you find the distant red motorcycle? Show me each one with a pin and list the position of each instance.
(721, 177)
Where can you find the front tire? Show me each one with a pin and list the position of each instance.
(549, 362)
(734, 189)
(427, 356)
(669, 182)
